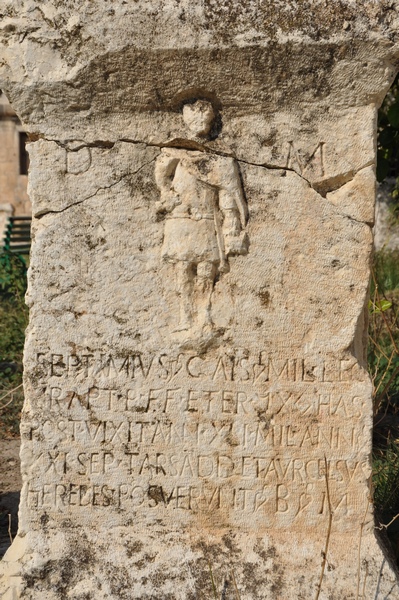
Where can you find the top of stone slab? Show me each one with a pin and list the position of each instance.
(101, 57)
(217, 23)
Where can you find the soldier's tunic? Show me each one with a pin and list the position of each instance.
(190, 233)
(190, 229)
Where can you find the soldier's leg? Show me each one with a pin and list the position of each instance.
(184, 272)
(206, 275)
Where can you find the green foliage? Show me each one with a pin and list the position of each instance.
(383, 350)
(388, 138)
(383, 361)
(379, 307)
(386, 491)
(13, 322)
(386, 480)
(385, 272)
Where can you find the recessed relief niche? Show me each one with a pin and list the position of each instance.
(205, 214)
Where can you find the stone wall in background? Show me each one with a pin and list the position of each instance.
(198, 411)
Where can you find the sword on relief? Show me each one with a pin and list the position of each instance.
(224, 265)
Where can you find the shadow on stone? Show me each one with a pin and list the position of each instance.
(9, 503)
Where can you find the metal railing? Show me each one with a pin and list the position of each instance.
(17, 236)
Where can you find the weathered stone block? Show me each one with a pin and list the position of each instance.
(198, 411)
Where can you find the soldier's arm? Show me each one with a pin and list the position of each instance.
(234, 209)
(231, 196)
(165, 168)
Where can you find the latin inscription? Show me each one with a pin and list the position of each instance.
(244, 434)
(243, 367)
(267, 500)
(302, 161)
(251, 467)
(164, 400)
(250, 433)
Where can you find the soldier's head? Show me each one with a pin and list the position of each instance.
(199, 117)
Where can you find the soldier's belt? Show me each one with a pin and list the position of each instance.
(193, 217)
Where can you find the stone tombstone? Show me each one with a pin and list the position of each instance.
(198, 413)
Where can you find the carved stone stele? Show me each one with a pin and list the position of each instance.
(198, 413)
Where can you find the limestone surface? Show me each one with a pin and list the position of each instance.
(198, 412)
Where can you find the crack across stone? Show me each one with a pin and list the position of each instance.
(191, 146)
(369, 224)
(322, 188)
(43, 213)
(196, 146)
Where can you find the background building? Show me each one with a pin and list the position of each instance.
(14, 163)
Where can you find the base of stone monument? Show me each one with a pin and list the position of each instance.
(178, 566)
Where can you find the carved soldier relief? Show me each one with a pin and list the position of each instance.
(202, 200)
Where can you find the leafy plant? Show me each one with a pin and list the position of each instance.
(386, 491)
(383, 351)
(383, 360)
(386, 480)
(388, 140)
(13, 322)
